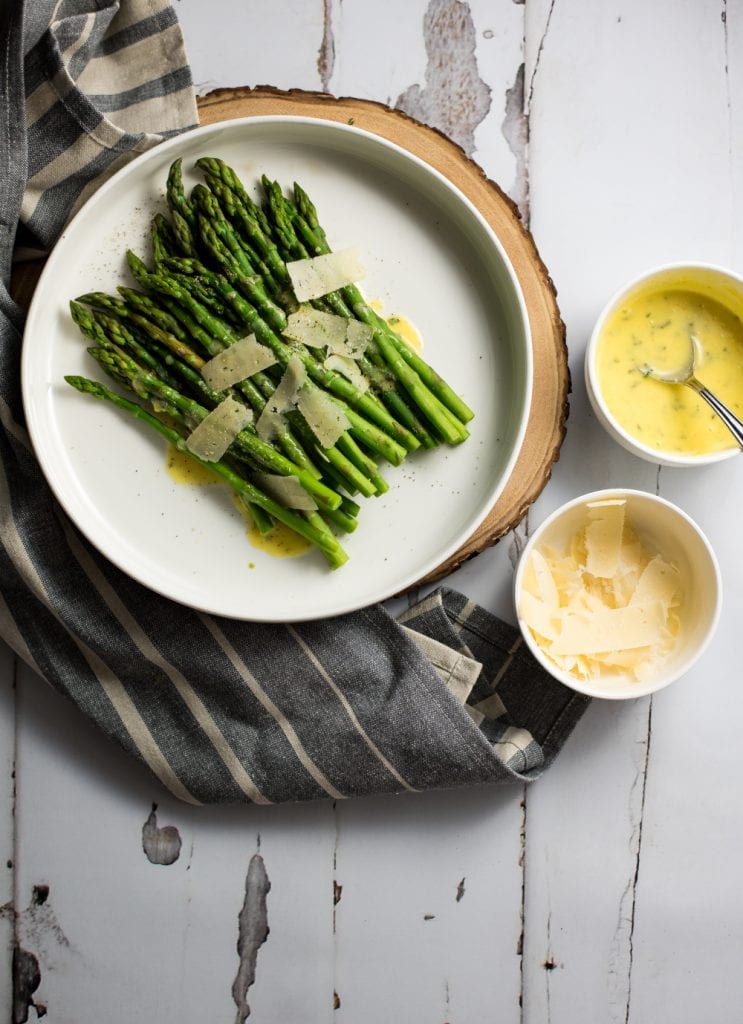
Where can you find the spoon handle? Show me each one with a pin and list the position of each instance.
(731, 421)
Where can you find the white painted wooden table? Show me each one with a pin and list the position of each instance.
(610, 890)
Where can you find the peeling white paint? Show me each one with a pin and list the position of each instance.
(515, 128)
(326, 53)
(252, 933)
(160, 845)
(454, 99)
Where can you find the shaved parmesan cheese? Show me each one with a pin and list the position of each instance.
(345, 340)
(293, 379)
(312, 278)
(269, 424)
(238, 362)
(602, 605)
(539, 616)
(349, 369)
(284, 397)
(326, 420)
(285, 489)
(604, 537)
(216, 432)
(316, 328)
(546, 586)
(659, 582)
(567, 576)
(610, 629)
(358, 338)
(627, 659)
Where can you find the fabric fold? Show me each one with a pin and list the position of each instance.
(102, 85)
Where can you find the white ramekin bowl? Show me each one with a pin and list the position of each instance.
(670, 532)
(723, 285)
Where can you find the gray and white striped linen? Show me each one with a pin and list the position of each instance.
(218, 710)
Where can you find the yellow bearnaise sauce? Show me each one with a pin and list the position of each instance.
(281, 542)
(653, 326)
(400, 325)
(407, 331)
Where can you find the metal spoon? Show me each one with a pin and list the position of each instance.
(686, 376)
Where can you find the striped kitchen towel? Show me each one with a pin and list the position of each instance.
(219, 710)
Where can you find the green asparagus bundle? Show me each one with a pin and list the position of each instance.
(292, 403)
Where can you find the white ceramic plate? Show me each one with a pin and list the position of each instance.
(429, 255)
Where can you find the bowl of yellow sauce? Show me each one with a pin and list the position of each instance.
(650, 322)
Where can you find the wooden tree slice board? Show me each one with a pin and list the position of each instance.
(551, 385)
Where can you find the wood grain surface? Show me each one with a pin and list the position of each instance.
(551, 384)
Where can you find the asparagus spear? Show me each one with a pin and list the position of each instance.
(375, 367)
(307, 220)
(446, 423)
(361, 473)
(145, 383)
(322, 538)
(218, 176)
(163, 240)
(395, 439)
(183, 234)
(176, 195)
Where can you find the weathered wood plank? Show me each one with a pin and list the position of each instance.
(378, 48)
(268, 42)
(117, 934)
(633, 141)
(7, 826)
(407, 947)
(428, 924)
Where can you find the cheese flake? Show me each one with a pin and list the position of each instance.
(238, 362)
(219, 428)
(268, 425)
(659, 582)
(283, 398)
(287, 490)
(603, 630)
(349, 369)
(326, 420)
(604, 538)
(358, 338)
(546, 586)
(316, 328)
(538, 616)
(288, 388)
(319, 275)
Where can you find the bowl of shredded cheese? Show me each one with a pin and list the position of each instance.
(618, 593)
